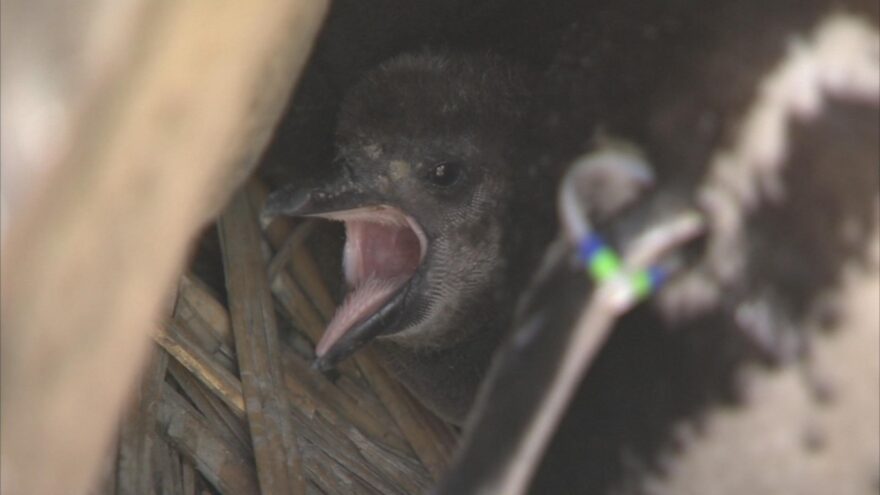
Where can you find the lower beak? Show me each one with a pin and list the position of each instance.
(361, 334)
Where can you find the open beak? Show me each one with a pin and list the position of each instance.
(384, 249)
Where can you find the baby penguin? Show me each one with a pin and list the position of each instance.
(428, 183)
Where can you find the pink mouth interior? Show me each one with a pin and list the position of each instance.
(383, 249)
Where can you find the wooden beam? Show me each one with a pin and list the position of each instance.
(158, 144)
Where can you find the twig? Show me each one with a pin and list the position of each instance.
(199, 308)
(285, 252)
(301, 264)
(219, 380)
(313, 392)
(297, 306)
(217, 414)
(432, 441)
(170, 468)
(222, 464)
(252, 316)
(188, 478)
(334, 461)
(138, 456)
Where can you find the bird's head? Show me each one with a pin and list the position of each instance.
(424, 147)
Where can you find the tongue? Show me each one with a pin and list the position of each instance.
(379, 258)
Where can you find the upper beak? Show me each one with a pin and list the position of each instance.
(339, 195)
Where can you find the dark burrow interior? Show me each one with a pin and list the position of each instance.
(651, 376)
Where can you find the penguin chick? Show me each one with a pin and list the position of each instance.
(427, 188)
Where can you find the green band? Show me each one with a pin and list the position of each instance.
(641, 284)
(604, 265)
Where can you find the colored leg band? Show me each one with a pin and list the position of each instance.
(603, 264)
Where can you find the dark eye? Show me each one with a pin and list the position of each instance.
(444, 174)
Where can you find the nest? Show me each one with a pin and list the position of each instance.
(189, 430)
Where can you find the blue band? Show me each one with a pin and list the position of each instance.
(658, 277)
(589, 246)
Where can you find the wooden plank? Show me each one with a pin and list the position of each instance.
(257, 347)
(167, 127)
